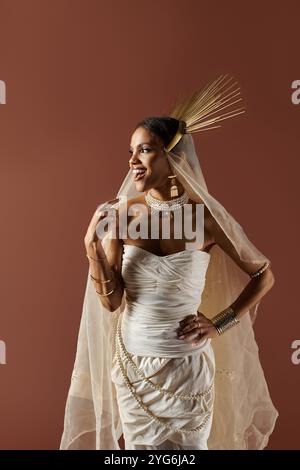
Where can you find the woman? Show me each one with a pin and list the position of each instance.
(184, 371)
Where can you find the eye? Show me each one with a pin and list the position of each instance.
(141, 150)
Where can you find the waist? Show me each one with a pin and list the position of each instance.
(156, 336)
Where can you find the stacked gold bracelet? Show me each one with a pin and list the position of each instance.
(100, 281)
(225, 320)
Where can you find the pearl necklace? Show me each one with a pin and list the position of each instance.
(169, 205)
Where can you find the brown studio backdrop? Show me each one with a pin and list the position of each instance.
(79, 75)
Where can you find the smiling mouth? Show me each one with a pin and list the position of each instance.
(138, 174)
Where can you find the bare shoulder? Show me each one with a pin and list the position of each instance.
(194, 203)
(125, 215)
(208, 218)
(124, 205)
(127, 204)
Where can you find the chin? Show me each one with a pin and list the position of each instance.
(141, 186)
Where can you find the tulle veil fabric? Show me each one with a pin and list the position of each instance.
(244, 415)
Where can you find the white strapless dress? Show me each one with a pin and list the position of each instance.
(160, 292)
(165, 386)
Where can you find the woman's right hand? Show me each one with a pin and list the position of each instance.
(91, 237)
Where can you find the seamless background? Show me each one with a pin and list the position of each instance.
(79, 75)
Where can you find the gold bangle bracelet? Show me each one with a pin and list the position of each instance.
(95, 259)
(100, 280)
(108, 293)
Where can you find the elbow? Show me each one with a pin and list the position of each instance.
(269, 279)
(115, 300)
(115, 303)
(110, 306)
(273, 279)
(113, 308)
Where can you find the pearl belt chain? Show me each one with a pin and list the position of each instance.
(120, 347)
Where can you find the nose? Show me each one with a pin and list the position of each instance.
(133, 159)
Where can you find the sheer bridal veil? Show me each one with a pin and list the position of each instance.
(244, 415)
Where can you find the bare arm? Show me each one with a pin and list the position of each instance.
(257, 287)
(105, 265)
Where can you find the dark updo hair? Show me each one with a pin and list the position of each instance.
(164, 127)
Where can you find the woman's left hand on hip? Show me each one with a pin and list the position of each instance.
(196, 328)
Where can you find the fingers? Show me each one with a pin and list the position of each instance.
(199, 334)
(104, 210)
(100, 213)
(196, 336)
(194, 328)
(186, 320)
(104, 206)
(190, 334)
(192, 319)
(194, 324)
(199, 338)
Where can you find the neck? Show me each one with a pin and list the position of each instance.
(163, 192)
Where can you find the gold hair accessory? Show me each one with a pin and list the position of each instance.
(196, 113)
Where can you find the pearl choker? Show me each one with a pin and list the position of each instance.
(169, 205)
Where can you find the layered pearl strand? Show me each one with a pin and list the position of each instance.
(169, 205)
(121, 348)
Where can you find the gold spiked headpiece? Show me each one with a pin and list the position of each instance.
(198, 112)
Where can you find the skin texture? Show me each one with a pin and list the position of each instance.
(147, 150)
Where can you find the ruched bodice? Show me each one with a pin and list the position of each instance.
(160, 292)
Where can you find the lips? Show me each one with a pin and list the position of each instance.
(138, 173)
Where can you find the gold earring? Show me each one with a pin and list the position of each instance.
(174, 188)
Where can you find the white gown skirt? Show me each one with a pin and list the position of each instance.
(165, 403)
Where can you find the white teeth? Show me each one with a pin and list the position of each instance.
(138, 173)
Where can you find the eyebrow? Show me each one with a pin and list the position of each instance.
(143, 143)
